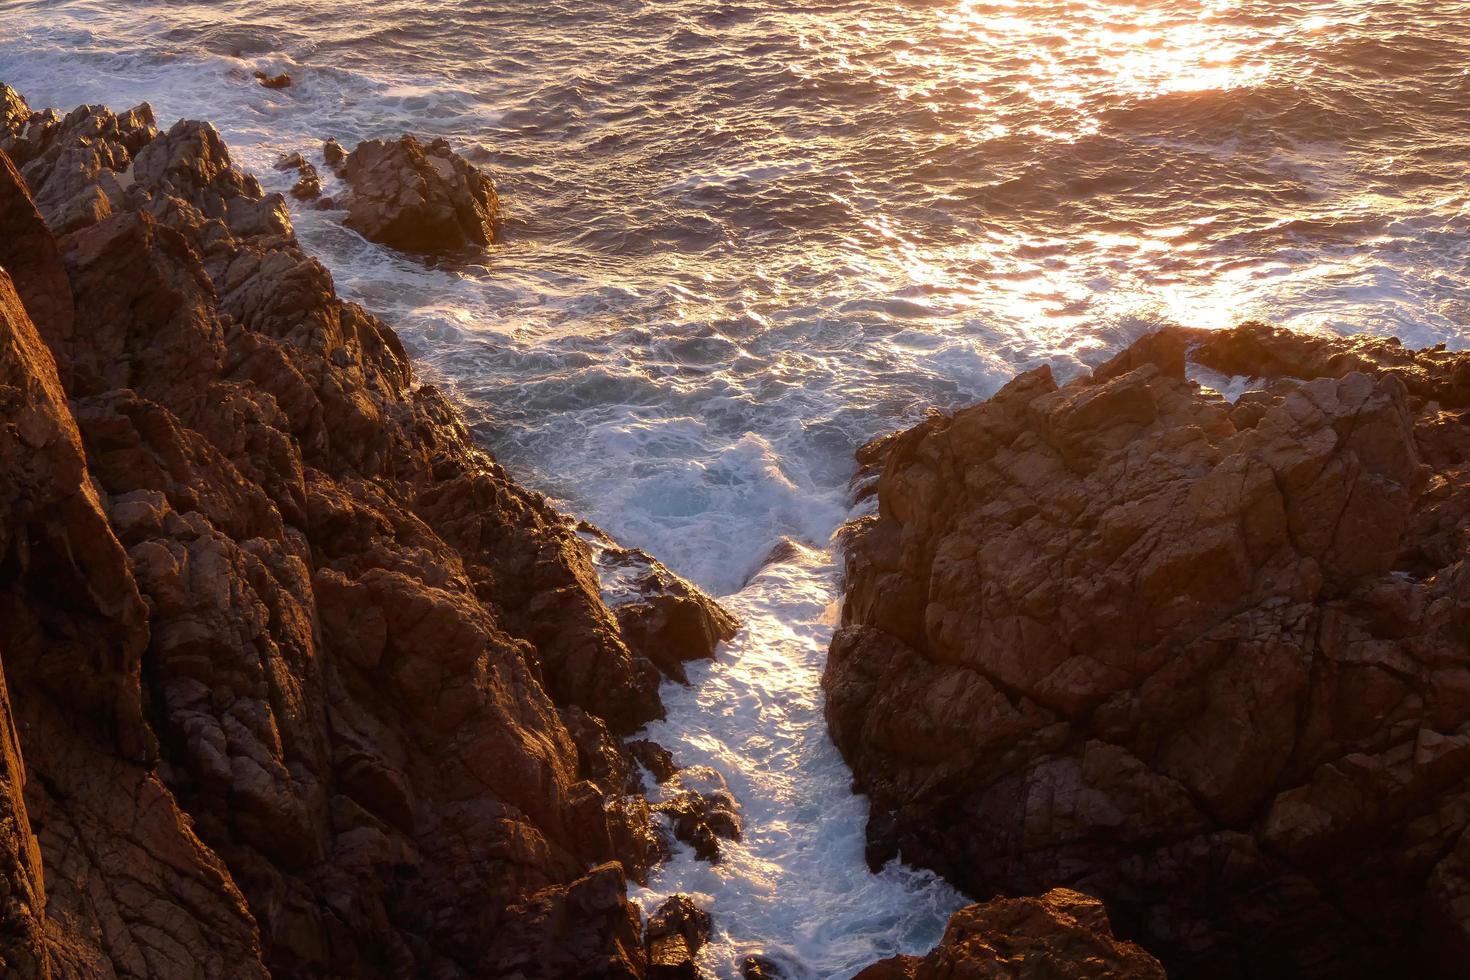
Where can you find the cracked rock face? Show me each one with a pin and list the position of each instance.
(298, 681)
(418, 197)
(1208, 661)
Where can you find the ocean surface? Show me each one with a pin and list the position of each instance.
(745, 236)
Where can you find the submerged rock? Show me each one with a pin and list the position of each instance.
(702, 811)
(1062, 935)
(1205, 660)
(379, 735)
(280, 81)
(757, 967)
(418, 197)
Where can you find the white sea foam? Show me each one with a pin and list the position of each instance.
(796, 889)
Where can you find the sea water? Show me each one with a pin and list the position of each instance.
(743, 237)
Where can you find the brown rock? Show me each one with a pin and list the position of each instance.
(23, 952)
(1205, 660)
(675, 934)
(655, 758)
(701, 811)
(75, 631)
(282, 80)
(757, 967)
(379, 735)
(78, 167)
(1063, 935)
(310, 184)
(417, 197)
(666, 620)
(29, 254)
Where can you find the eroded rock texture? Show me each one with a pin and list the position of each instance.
(300, 682)
(418, 197)
(1209, 661)
(1062, 935)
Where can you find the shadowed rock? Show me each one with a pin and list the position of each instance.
(309, 185)
(1205, 660)
(701, 811)
(665, 618)
(655, 758)
(1063, 935)
(675, 935)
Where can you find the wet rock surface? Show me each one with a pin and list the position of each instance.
(675, 934)
(1062, 935)
(1205, 660)
(701, 811)
(309, 184)
(300, 682)
(664, 617)
(655, 758)
(418, 197)
(757, 967)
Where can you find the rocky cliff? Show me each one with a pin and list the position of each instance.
(1207, 660)
(298, 682)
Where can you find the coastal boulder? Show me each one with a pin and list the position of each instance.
(1206, 660)
(418, 197)
(1062, 935)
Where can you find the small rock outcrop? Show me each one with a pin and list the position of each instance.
(1206, 660)
(663, 616)
(418, 197)
(298, 682)
(1062, 935)
(675, 935)
(655, 758)
(309, 183)
(701, 811)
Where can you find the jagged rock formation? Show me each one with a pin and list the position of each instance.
(418, 197)
(676, 933)
(1208, 661)
(300, 682)
(1063, 935)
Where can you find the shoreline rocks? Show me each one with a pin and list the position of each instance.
(1206, 660)
(299, 682)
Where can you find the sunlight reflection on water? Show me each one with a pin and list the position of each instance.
(745, 237)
